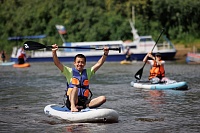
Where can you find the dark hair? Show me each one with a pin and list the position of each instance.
(80, 56)
(158, 54)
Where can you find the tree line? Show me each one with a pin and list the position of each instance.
(96, 20)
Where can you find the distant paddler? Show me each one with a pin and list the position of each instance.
(3, 56)
(21, 55)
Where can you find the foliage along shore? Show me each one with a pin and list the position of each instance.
(92, 20)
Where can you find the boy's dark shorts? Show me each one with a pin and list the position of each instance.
(81, 102)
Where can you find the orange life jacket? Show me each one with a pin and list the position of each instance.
(157, 71)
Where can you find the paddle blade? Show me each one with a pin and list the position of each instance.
(31, 45)
(138, 75)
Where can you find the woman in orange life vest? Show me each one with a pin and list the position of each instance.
(78, 80)
(157, 71)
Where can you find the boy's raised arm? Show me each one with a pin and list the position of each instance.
(55, 57)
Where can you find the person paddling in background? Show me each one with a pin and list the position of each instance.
(21, 55)
(128, 54)
(157, 71)
(78, 78)
(3, 56)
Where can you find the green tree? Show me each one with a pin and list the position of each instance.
(92, 20)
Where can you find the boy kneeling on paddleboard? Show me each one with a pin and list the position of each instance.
(78, 78)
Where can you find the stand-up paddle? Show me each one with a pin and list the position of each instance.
(31, 45)
(138, 75)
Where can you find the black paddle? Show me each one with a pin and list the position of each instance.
(31, 45)
(138, 75)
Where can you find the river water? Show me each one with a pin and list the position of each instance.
(25, 92)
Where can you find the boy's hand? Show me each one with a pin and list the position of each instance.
(54, 47)
(106, 51)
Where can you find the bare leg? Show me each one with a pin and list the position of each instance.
(96, 102)
(74, 99)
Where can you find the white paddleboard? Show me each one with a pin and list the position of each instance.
(85, 115)
(7, 63)
(161, 86)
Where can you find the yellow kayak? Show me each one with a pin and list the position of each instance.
(125, 62)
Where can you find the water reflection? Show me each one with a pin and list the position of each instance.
(76, 128)
(156, 103)
(84, 128)
(155, 98)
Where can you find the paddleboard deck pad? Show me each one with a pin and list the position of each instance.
(97, 115)
(160, 86)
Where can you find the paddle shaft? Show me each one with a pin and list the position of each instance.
(157, 40)
(31, 45)
(115, 49)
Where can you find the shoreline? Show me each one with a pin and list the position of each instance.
(181, 53)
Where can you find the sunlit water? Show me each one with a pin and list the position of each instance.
(25, 92)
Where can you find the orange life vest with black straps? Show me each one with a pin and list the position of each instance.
(157, 71)
(81, 81)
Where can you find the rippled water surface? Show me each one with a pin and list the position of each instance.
(25, 92)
